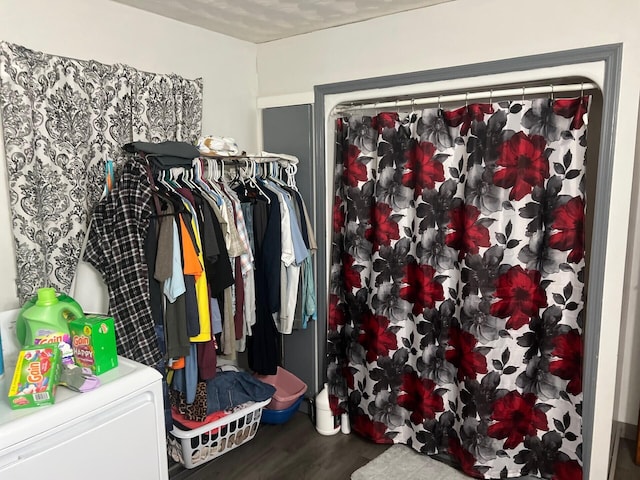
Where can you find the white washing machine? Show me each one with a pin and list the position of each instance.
(114, 431)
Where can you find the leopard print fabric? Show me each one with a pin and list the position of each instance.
(196, 411)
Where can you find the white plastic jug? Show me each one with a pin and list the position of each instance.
(326, 422)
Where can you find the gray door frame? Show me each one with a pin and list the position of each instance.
(611, 55)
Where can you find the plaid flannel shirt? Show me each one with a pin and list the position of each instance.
(115, 247)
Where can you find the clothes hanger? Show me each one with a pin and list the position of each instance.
(236, 177)
(221, 177)
(248, 172)
(207, 184)
(217, 173)
(185, 178)
(291, 170)
(254, 183)
(174, 176)
(163, 180)
(166, 194)
(218, 182)
(275, 174)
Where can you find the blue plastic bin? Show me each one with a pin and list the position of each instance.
(276, 417)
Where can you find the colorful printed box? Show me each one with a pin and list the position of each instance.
(36, 377)
(94, 342)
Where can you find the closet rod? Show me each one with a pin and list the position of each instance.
(407, 100)
(237, 159)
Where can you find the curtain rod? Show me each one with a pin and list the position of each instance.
(407, 100)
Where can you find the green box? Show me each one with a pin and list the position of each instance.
(94, 342)
(36, 377)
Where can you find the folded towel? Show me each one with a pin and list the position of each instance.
(223, 146)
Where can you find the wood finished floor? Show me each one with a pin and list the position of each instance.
(626, 469)
(295, 451)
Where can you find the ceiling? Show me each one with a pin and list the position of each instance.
(260, 21)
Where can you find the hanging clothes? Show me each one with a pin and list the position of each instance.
(263, 345)
(224, 264)
(192, 271)
(289, 259)
(115, 247)
(309, 310)
(175, 320)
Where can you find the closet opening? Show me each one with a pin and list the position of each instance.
(437, 89)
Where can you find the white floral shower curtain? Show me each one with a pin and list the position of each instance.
(61, 118)
(458, 283)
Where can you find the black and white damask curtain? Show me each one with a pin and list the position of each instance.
(61, 119)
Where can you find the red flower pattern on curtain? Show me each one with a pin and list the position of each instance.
(422, 170)
(463, 356)
(520, 296)
(568, 349)
(523, 164)
(466, 235)
(419, 398)
(457, 283)
(569, 226)
(420, 289)
(516, 416)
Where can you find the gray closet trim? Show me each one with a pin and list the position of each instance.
(611, 55)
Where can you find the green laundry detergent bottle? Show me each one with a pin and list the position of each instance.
(45, 319)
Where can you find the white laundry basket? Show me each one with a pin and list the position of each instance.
(194, 447)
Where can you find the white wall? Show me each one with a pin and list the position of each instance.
(628, 401)
(468, 31)
(113, 33)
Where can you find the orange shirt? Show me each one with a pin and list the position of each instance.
(192, 265)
